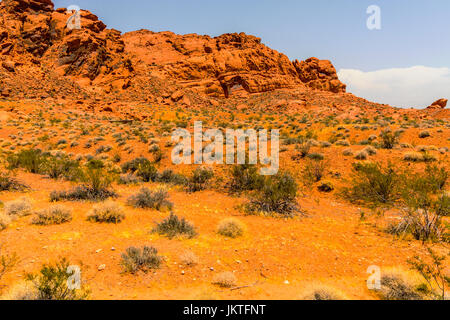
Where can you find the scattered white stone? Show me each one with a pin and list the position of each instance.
(101, 267)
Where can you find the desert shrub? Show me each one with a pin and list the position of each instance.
(5, 221)
(433, 273)
(147, 172)
(174, 226)
(51, 283)
(108, 212)
(276, 196)
(231, 228)
(199, 179)
(225, 280)
(7, 262)
(316, 156)
(371, 151)
(136, 259)
(53, 215)
(168, 176)
(429, 157)
(147, 199)
(129, 178)
(314, 171)
(82, 193)
(133, 165)
(422, 217)
(245, 177)
(361, 155)
(389, 139)
(9, 183)
(442, 206)
(436, 177)
(373, 184)
(96, 181)
(347, 152)
(57, 167)
(20, 207)
(188, 258)
(324, 293)
(31, 160)
(95, 177)
(424, 134)
(397, 286)
(342, 143)
(303, 149)
(326, 186)
(413, 157)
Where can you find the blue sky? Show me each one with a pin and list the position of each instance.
(413, 33)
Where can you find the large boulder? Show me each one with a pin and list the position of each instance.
(439, 104)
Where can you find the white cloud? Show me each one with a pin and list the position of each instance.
(416, 86)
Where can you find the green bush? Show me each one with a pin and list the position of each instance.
(199, 179)
(276, 196)
(174, 226)
(57, 167)
(373, 184)
(31, 160)
(389, 139)
(51, 283)
(245, 177)
(135, 259)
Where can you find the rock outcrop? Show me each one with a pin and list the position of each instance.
(40, 52)
(439, 104)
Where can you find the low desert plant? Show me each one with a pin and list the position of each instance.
(276, 196)
(321, 292)
(82, 193)
(231, 228)
(54, 215)
(314, 171)
(9, 183)
(188, 258)
(373, 184)
(361, 155)
(5, 221)
(199, 180)
(51, 283)
(174, 226)
(433, 272)
(245, 177)
(108, 212)
(7, 262)
(20, 207)
(225, 280)
(147, 199)
(397, 285)
(389, 139)
(136, 259)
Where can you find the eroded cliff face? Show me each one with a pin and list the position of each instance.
(40, 55)
(214, 66)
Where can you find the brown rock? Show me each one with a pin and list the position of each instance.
(9, 65)
(439, 104)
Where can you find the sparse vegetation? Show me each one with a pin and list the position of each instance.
(231, 228)
(174, 226)
(147, 199)
(109, 212)
(136, 259)
(54, 215)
